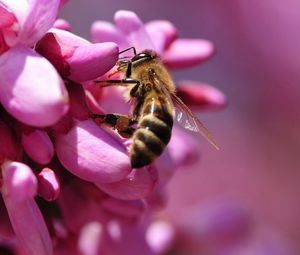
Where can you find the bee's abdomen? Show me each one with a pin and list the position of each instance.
(150, 139)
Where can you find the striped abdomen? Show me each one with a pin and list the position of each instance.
(153, 133)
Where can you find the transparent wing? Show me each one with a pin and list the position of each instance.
(186, 118)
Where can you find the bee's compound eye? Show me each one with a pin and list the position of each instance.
(141, 56)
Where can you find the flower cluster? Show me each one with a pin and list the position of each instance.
(66, 182)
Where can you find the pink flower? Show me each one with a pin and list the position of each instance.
(91, 198)
(31, 89)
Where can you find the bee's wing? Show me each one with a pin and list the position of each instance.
(186, 118)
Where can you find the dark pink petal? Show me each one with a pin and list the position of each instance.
(20, 182)
(38, 146)
(160, 236)
(121, 208)
(10, 149)
(91, 61)
(6, 231)
(78, 105)
(35, 21)
(30, 88)
(62, 24)
(201, 96)
(184, 53)
(27, 222)
(162, 33)
(131, 25)
(103, 31)
(137, 185)
(63, 126)
(48, 186)
(92, 154)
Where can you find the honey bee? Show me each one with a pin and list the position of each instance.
(155, 106)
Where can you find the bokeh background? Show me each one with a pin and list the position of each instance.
(257, 65)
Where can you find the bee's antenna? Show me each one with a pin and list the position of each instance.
(130, 48)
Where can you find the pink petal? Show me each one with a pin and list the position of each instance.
(48, 186)
(222, 223)
(137, 185)
(31, 90)
(36, 21)
(10, 149)
(20, 182)
(184, 53)
(62, 24)
(76, 58)
(28, 223)
(91, 61)
(162, 33)
(160, 236)
(38, 146)
(58, 45)
(131, 25)
(201, 96)
(90, 242)
(103, 31)
(92, 154)
(125, 238)
(183, 148)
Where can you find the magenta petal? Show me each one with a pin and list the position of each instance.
(20, 182)
(162, 32)
(201, 96)
(131, 25)
(84, 199)
(37, 21)
(187, 52)
(122, 208)
(91, 61)
(137, 185)
(103, 31)
(7, 18)
(30, 88)
(92, 154)
(29, 225)
(48, 186)
(38, 146)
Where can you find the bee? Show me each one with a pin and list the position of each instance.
(155, 106)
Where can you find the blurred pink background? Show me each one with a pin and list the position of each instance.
(257, 65)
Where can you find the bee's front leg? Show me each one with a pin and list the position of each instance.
(122, 123)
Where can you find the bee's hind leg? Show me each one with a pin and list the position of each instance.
(122, 123)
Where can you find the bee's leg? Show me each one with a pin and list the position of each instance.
(123, 82)
(122, 123)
